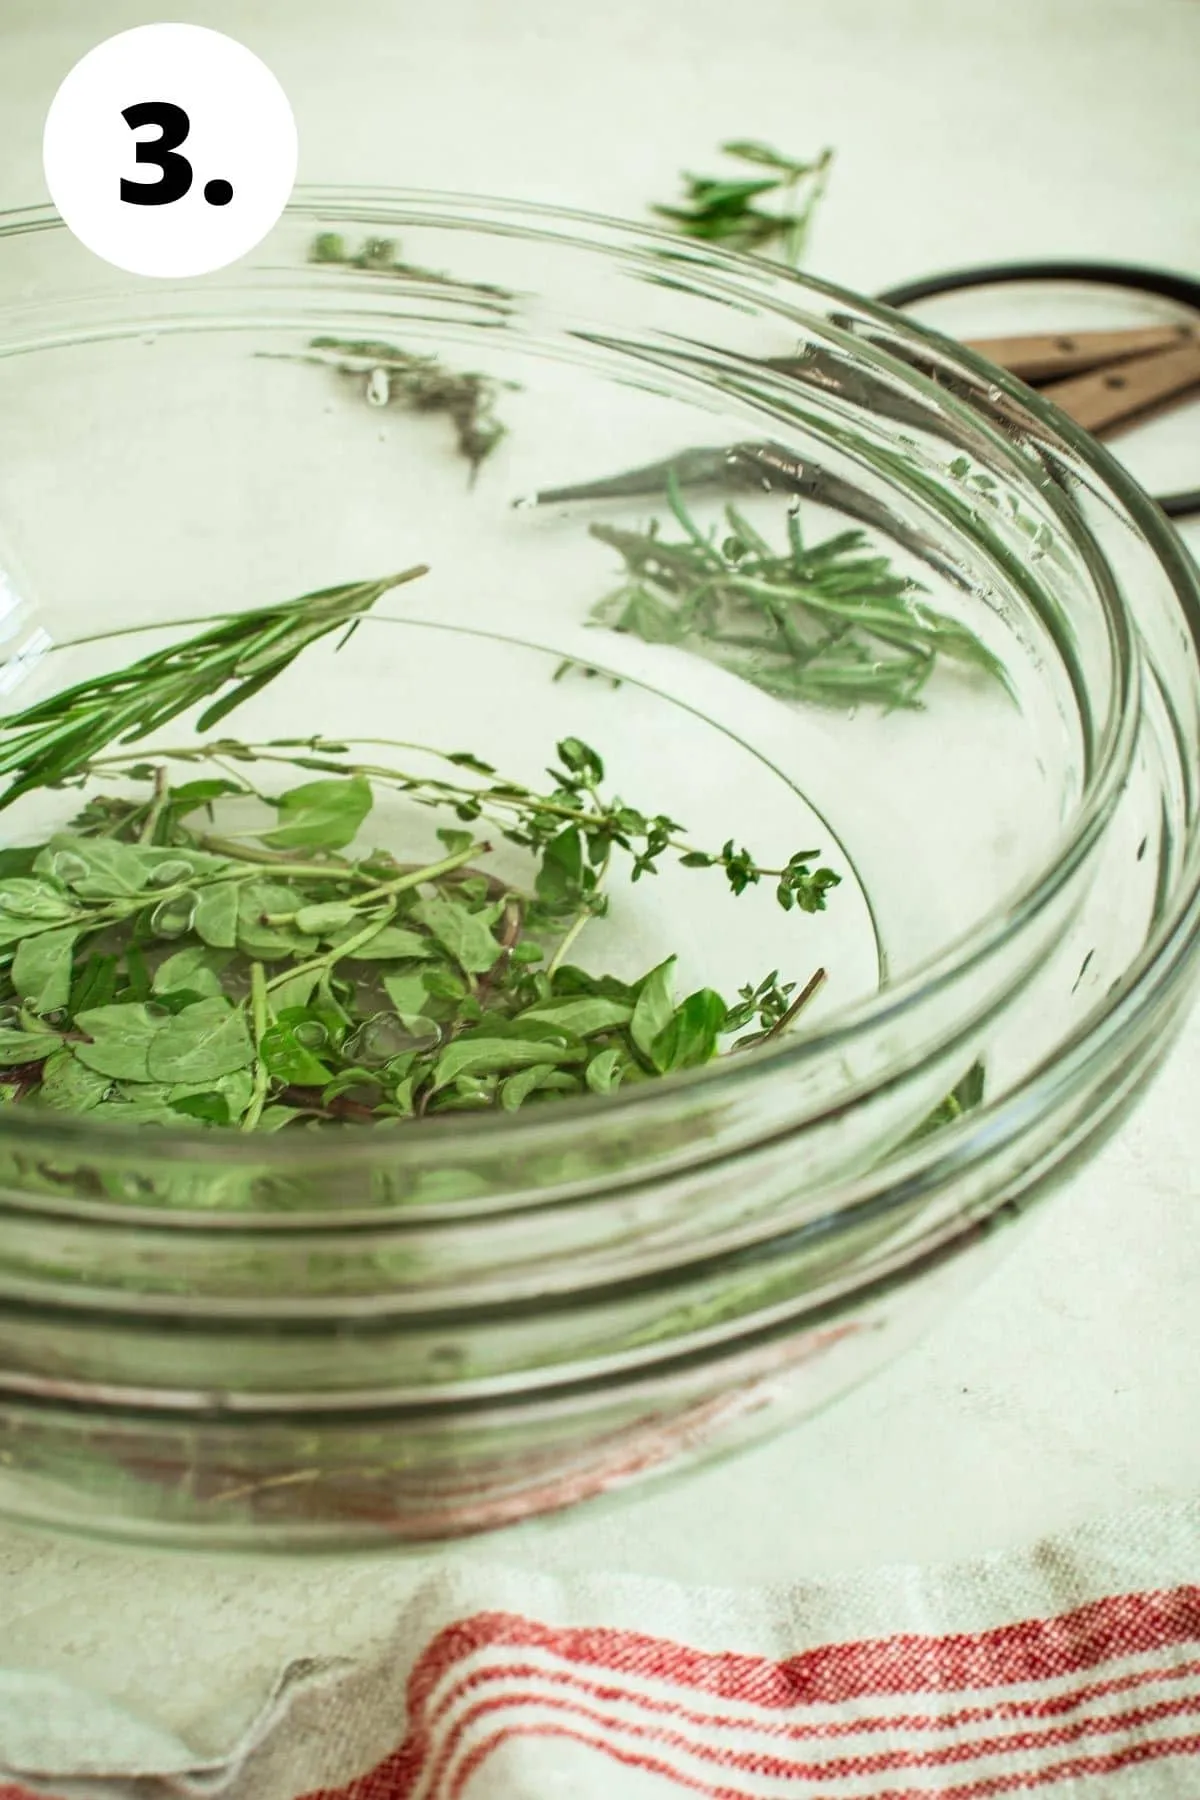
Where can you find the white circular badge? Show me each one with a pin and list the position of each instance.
(170, 150)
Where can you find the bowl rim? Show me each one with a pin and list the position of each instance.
(768, 286)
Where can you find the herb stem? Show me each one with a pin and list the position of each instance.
(260, 1014)
(511, 798)
(577, 924)
(432, 872)
(276, 860)
(155, 809)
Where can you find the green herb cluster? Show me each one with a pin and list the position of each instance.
(155, 969)
(726, 210)
(829, 622)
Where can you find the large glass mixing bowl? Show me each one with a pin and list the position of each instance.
(339, 1336)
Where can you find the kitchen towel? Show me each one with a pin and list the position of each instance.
(1071, 1668)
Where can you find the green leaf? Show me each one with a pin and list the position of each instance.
(465, 935)
(604, 1072)
(69, 1086)
(328, 917)
(137, 975)
(441, 982)
(402, 1096)
(143, 1103)
(581, 759)
(517, 1088)
(391, 944)
(167, 867)
(216, 916)
(95, 868)
(29, 906)
(121, 1036)
(962, 1098)
(236, 1089)
(268, 943)
(203, 1042)
(322, 815)
(478, 1055)
(655, 1007)
(690, 1039)
(189, 796)
(95, 983)
(426, 1033)
(41, 970)
(560, 876)
(583, 1017)
(290, 1061)
(296, 990)
(406, 990)
(346, 1080)
(17, 1047)
(274, 1118)
(210, 1108)
(195, 970)
(18, 859)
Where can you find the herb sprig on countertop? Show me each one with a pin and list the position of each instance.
(158, 966)
(726, 210)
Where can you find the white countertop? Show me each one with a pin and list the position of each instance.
(965, 131)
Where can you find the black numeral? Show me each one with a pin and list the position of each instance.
(176, 177)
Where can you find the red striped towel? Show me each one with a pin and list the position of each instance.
(550, 1702)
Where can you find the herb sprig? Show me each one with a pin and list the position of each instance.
(57, 738)
(725, 210)
(828, 622)
(395, 377)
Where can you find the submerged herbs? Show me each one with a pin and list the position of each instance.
(391, 376)
(155, 969)
(829, 622)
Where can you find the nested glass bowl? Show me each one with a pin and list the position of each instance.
(339, 1336)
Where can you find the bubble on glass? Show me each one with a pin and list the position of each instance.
(379, 388)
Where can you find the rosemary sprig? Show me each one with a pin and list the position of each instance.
(56, 739)
(724, 210)
(828, 622)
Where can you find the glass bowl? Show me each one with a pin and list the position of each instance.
(333, 1337)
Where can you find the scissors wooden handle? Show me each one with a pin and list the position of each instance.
(1101, 379)
(1045, 356)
